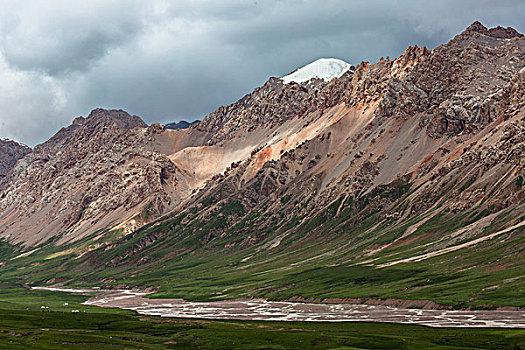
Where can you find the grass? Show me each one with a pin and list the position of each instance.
(310, 265)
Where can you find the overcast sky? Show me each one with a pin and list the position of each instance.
(173, 60)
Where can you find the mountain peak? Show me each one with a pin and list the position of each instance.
(498, 32)
(98, 121)
(323, 68)
(180, 125)
(476, 26)
(119, 117)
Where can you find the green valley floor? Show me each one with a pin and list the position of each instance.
(32, 319)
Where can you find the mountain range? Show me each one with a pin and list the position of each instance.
(395, 180)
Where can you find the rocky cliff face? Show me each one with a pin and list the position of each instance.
(10, 153)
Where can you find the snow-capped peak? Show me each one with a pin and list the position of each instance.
(323, 68)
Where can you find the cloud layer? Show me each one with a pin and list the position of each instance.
(173, 60)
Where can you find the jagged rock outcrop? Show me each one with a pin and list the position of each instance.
(10, 152)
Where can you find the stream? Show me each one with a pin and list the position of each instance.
(264, 310)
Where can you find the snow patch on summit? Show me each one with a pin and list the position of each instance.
(323, 68)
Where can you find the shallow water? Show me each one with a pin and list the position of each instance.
(263, 310)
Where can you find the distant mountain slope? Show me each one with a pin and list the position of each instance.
(180, 125)
(403, 178)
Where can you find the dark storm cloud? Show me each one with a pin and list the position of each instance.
(172, 60)
(65, 37)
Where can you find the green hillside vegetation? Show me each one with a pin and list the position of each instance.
(204, 258)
